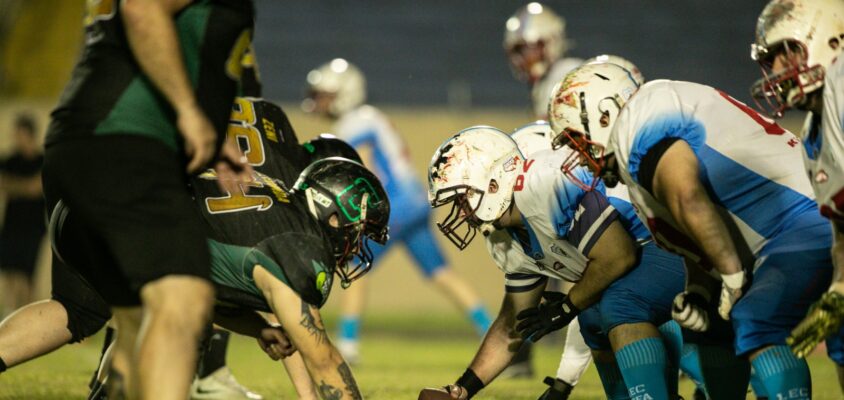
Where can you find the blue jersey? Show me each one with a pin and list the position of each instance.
(385, 153)
(750, 166)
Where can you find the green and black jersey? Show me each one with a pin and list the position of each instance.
(109, 94)
(266, 137)
(268, 227)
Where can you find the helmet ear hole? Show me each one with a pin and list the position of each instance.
(334, 220)
(605, 119)
(493, 186)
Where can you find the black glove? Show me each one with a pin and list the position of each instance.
(555, 313)
(558, 390)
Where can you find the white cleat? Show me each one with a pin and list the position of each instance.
(350, 350)
(221, 385)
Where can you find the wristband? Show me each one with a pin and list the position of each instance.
(734, 280)
(470, 382)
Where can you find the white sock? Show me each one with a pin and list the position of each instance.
(576, 355)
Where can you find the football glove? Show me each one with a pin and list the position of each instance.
(824, 319)
(689, 310)
(731, 291)
(556, 312)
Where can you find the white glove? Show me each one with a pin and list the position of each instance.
(688, 310)
(730, 293)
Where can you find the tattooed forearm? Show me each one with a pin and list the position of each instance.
(328, 392)
(312, 322)
(349, 381)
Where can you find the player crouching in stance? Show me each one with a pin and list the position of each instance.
(280, 257)
(723, 187)
(798, 45)
(540, 225)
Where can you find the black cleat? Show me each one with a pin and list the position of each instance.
(557, 389)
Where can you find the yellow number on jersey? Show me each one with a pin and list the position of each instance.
(242, 126)
(98, 10)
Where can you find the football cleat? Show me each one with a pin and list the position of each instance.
(557, 389)
(824, 319)
(221, 385)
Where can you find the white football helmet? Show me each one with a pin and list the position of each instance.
(809, 33)
(533, 137)
(622, 62)
(582, 111)
(340, 79)
(534, 38)
(475, 170)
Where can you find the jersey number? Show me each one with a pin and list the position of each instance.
(242, 130)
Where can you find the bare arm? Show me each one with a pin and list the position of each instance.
(502, 341)
(677, 185)
(303, 324)
(298, 373)
(152, 37)
(21, 187)
(612, 255)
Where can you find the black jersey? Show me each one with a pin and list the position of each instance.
(108, 93)
(266, 137)
(266, 227)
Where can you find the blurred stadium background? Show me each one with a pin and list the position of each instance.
(435, 67)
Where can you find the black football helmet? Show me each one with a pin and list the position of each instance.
(327, 145)
(352, 206)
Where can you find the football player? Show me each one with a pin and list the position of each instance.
(720, 185)
(798, 45)
(535, 42)
(337, 91)
(540, 225)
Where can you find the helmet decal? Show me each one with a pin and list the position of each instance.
(348, 201)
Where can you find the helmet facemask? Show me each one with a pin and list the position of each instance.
(461, 224)
(588, 153)
(778, 91)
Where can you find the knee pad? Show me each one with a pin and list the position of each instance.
(84, 321)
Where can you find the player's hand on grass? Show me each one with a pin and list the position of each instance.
(199, 135)
(689, 310)
(232, 169)
(731, 290)
(449, 392)
(824, 319)
(275, 343)
(554, 313)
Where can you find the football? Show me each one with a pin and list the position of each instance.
(434, 394)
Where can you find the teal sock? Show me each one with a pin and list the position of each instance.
(613, 382)
(350, 328)
(784, 375)
(643, 364)
(725, 375)
(690, 365)
(757, 385)
(480, 319)
(672, 338)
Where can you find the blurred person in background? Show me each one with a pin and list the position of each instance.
(535, 42)
(337, 90)
(23, 224)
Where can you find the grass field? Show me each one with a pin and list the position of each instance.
(400, 355)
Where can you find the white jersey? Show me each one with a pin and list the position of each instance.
(750, 166)
(540, 94)
(562, 222)
(824, 145)
(369, 131)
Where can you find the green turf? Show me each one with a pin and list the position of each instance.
(400, 355)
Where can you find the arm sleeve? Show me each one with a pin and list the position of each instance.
(594, 214)
(518, 282)
(647, 168)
